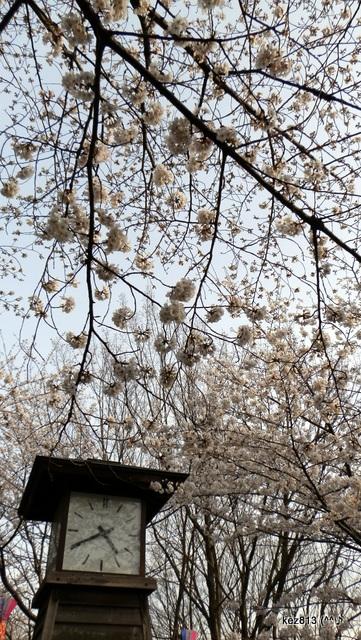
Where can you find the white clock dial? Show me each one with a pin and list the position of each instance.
(103, 534)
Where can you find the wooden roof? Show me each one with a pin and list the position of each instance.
(51, 478)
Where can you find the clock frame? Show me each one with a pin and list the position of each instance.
(92, 604)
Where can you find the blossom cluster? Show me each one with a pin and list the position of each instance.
(112, 10)
(117, 240)
(205, 228)
(79, 85)
(288, 226)
(121, 317)
(162, 175)
(126, 371)
(164, 345)
(172, 312)
(107, 271)
(244, 335)
(214, 314)
(67, 304)
(10, 189)
(168, 376)
(179, 136)
(24, 150)
(153, 113)
(184, 290)
(74, 29)
(197, 346)
(76, 341)
(271, 58)
(200, 150)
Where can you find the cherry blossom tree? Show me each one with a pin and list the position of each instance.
(202, 158)
(198, 156)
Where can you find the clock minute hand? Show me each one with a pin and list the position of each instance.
(104, 533)
(93, 537)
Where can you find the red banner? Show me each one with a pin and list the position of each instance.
(2, 630)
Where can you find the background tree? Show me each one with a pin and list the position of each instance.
(248, 547)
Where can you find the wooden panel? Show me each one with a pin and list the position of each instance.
(39, 623)
(98, 615)
(50, 616)
(82, 579)
(86, 613)
(99, 597)
(101, 579)
(37, 631)
(91, 632)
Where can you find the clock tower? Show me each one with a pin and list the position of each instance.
(95, 585)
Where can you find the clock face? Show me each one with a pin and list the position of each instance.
(103, 534)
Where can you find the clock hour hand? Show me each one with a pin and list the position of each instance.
(104, 533)
(93, 537)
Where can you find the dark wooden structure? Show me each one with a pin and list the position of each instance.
(92, 605)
